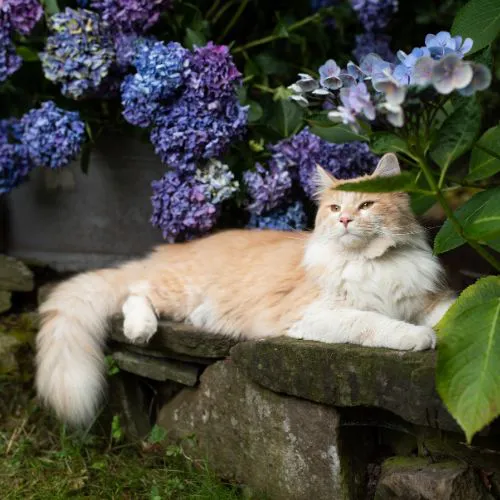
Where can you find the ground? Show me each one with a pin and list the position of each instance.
(41, 459)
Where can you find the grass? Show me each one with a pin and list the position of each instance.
(41, 459)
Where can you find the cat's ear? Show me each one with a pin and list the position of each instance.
(324, 180)
(388, 166)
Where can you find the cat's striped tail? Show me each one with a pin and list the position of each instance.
(70, 361)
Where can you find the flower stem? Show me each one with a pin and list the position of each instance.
(235, 18)
(491, 259)
(277, 36)
(221, 12)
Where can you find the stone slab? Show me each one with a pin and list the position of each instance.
(283, 447)
(348, 375)
(406, 478)
(15, 275)
(5, 302)
(157, 369)
(180, 338)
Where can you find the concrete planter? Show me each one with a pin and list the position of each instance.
(73, 221)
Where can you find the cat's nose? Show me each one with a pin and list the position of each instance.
(345, 220)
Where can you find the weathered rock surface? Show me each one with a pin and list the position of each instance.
(287, 448)
(8, 348)
(348, 375)
(157, 369)
(5, 300)
(15, 275)
(418, 479)
(180, 338)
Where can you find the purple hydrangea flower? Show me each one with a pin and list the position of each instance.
(188, 131)
(131, 16)
(375, 15)
(22, 15)
(10, 62)
(268, 188)
(357, 99)
(159, 74)
(329, 75)
(443, 44)
(80, 53)
(373, 43)
(289, 218)
(15, 164)
(53, 136)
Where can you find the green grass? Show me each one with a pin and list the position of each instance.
(40, 459)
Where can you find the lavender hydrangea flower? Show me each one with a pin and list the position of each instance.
(132, 16)
(15, 164)
(377, 43)
(451, 73)
(159, 74)
(292, 217)
(80, 53)
(358, 100)
(188, 131)
(52, 135)
(481, 80)
(374, 15)
(22, 15)
(268, 189)
(10, 62)
(329, 75)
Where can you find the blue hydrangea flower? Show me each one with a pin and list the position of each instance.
(376, 43)
(329, 75)
(80, 53)
(268, 188)
(188, 131)
(126, 48)
(22, 15)
(358, 100)
(131, 16)
(443, 44)
(15, 164)
(10, 62)
(53, 136)
(159, 74)
(374, 15)
(481, 80)
(289, 218)
(451, 73)
(403, 73)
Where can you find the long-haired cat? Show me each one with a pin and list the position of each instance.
(365, 275)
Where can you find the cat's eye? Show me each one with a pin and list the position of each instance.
(335, 208)
(365, 205)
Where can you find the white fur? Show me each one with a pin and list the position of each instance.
(435, 315)
(140, 322)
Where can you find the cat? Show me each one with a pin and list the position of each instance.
(365, 275)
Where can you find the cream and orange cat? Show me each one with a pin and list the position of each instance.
(365, 275)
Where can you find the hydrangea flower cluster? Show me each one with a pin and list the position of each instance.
(293, 163)
(131, 16)
(80, 53)
(291, 217)
(15, 164)
(10, 62)
(22, 15)
(439, 65)
(52, 136)
(185, 207)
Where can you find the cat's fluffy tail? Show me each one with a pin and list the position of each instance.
(70, 358)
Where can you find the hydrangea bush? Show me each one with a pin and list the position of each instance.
(218, 99)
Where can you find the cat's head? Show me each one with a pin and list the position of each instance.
(357, 221)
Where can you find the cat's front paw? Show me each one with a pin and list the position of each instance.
(140, 322)
(416, 338)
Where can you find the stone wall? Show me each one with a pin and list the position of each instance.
(300, 420)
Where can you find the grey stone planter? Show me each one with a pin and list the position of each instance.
(73, 221)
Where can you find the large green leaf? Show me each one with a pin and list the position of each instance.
(472, 216)
(420, 203)
(479, 20)
(467, 374)
(457, 134)
(338, 134)
(385, 142)
(482, 163)
(403, 182)
(286, 117)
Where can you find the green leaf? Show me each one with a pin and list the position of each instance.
(473, 214)
(420, 203)
(157, 435)
(193, 38)
(483, 164)
(457, 134)
(403, 182)
(385, 142)
(255, 112)
(467, 375)
(286, 117)
(27, 54)
(479, 20)
(51, 7)
(338, 134)
(320, 120)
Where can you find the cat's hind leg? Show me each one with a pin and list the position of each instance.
(140, 320)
